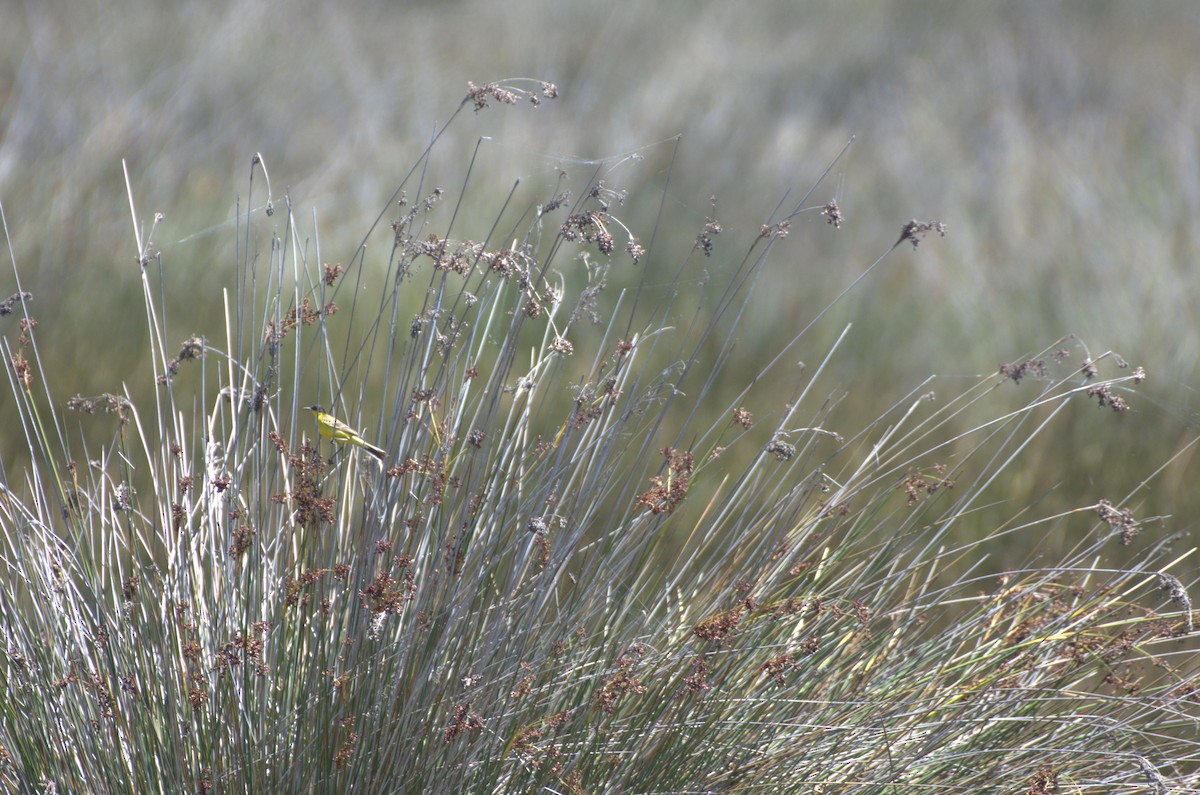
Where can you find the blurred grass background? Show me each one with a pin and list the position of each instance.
(1058, 143)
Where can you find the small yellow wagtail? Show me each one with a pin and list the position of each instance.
(335, 430)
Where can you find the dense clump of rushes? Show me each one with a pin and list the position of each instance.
(588, 564)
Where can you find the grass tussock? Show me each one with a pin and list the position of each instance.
(587, 564)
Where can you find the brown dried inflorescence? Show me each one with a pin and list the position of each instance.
(464, 721)
(1120, 519)
(1034, 367)
(717, 628)
(1105, 397)
(669, 489)
(620, 683)
(918, 485)
(479, 95)
(914, 230)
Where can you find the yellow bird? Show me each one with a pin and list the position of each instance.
(335, 430)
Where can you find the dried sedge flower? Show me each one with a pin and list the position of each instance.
(479, 95)
(502, 262)
(1173, 588)
(669, 490)
(712, 228)
(777, 666)
(718, 627)
(592, 227)
(464, 721)
(1034, 367)
(23, 370)
(696, 683)
(781, 450)
(123, 497)
(1152, 776)
(621, 683)
(1105, 397)
(6, 306)
(635, 251)
(914, 230)
(833, 213)
(192, 348)
(332, 272)
(27, 325)
(1044, 781)
(107, 402)
(605, 195)
(917, 484)
(1121, 519)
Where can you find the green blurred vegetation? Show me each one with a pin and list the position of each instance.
(1057, 143)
